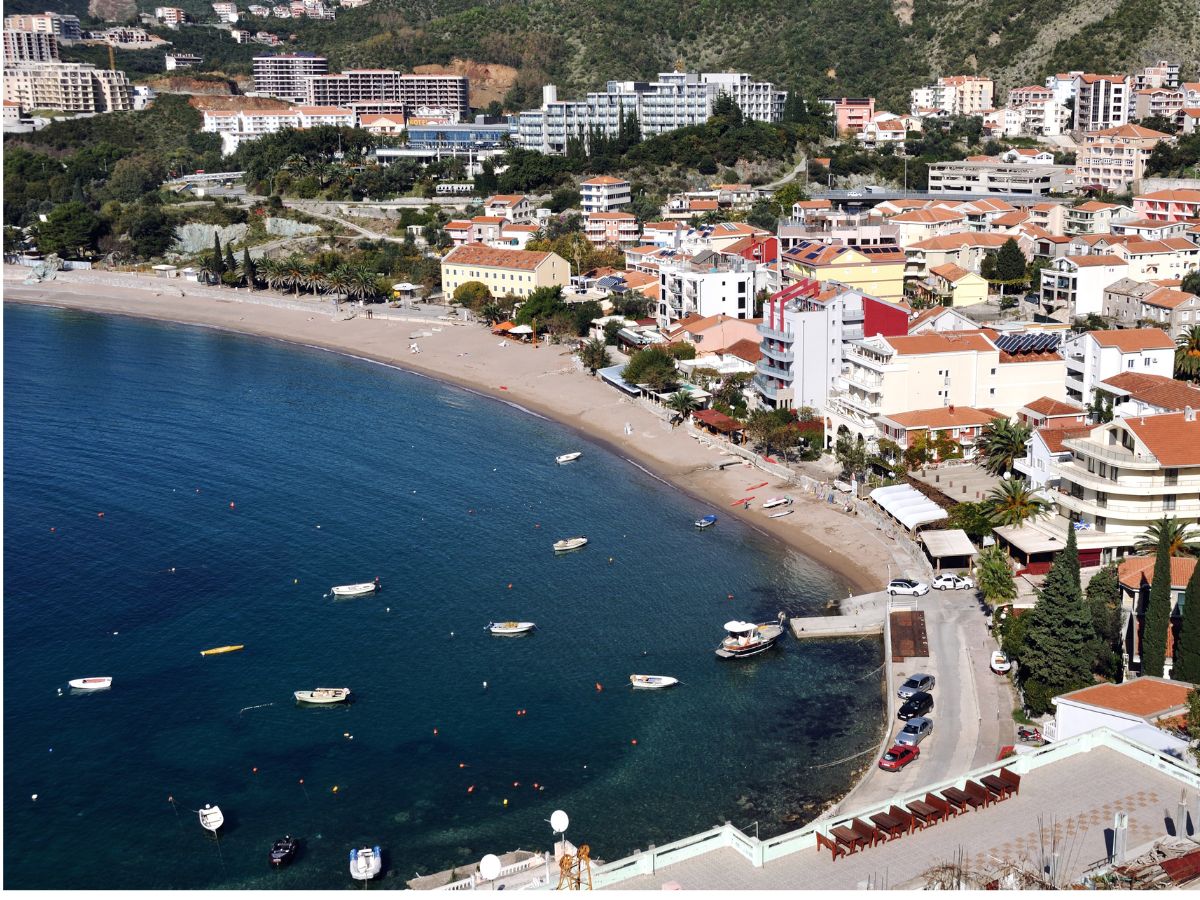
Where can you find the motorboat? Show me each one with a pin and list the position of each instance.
(747, 638)
(91, 684)
(211, 817)
(780, 514)
(365, 863)
(569, 544)
(652, 682)
(510, 629)
(323, 695)
(1000, 662)
(350, 591)
(283, 851)
(777, 501)
(228, 648)
(706, 521)
(568, 457)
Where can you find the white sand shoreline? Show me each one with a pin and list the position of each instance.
(544, 382)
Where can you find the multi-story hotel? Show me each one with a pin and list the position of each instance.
(604, 194)
(992, 177)
(63, 27)
(504, 272)
(29, 46)
(286, 75)
(618, 229)
(70, 87)
(1115, 157)
(449, 92)
(675, 100)
(238, 126)
(1101, 102)
(1168, 206)
(959, 95)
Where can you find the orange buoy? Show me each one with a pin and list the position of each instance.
(471, 789)
(231, 504)
(535, 784)
(510, 585)
(335, 788)
(99, 515)
(599, 686)
(435, 731)
(506, 801)
(634, 742)
(462, 765)
(729, 596)
(255, 770)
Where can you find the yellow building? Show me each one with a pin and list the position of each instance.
(878, 271)
(516, 272)
(964, 288)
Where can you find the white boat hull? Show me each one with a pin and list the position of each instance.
(347, 591)
(323, 695)
(511, 629)
(365, 863)
(211, 818)
(567, 457)
(652, 682)
(569, 544)
(777, 501)
(90, 684)
(780, 515)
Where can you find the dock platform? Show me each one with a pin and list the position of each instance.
(858, 616)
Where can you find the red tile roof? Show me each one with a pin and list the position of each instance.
(1054, 435)
(1172, 439)
(943, 417)
(1167, 298)
(604, 179)
(745, 349)
(490, 257)
(1048, 406)
(944, 342)
(950, 272)
(929, 216)
(1145, 697)
(1132, 340)
(1158, 390)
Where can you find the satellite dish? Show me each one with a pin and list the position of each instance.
(559, 821)
(489, 867)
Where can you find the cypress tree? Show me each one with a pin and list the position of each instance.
(218, 262)
(1058, 641)
(1187, 654)
(248, 271)
(230, 262)
(1158, 611)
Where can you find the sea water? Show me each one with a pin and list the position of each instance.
(239, 479)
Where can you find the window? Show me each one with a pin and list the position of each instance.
(1146, 361)
(1169, 502)
(1171, 477)
(1129, 364)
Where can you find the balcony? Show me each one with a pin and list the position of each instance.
(775, 334)
(767, 387)
(865, 379)
(1115, 453)
(785, 356)
(764, 368)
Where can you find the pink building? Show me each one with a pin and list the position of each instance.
(1168, 206)
(611, 228)
(851, 114)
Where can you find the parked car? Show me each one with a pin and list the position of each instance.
(898, 757)
(950, 582)
(916, 705)
(909, 586)
(914, 731)
(918, 682)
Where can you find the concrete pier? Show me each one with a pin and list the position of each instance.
(858, 616)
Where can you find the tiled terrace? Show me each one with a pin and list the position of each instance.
(1073, 798)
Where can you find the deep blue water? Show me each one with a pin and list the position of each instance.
(449, 498)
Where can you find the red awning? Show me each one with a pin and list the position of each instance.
(717, 421)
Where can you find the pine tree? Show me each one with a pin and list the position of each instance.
(1187, 654)
(1058, 642)
(218, 262)
(1010, 262)
(248, 271)
(1158, 611)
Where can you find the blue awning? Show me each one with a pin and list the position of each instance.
(613, 376)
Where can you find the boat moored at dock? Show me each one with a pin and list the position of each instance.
(747, 639)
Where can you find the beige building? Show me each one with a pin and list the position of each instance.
(989, 176)
(516, 272)
(1115, 157)
(63, 27)
(29, 46)
(70, 87)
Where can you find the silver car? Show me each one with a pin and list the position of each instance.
(915, 731)
(917, 683)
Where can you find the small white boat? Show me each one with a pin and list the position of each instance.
(1000, 662)
(323, 695)
(568, 457)
(91, 684)
(365, 863)
(569, 544)
(212, 818)
(510, 629)
(348, 591)
(706, 521)
(777, 501)
(652, 682)
(747, 639)
(781, 514)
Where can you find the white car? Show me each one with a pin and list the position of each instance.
(908, 586)
(950, 582)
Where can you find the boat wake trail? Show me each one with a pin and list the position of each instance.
(260, 706)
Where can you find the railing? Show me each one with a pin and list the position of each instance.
(774, 353)
(764, 368)
(1124, 457)
(775, 334)
(767, 387)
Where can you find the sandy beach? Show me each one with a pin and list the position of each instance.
(546, 380)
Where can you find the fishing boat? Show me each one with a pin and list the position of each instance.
(781, 514)
(323, 695)
(777, 501)
(228, 648)
(748, 639)
(365, 863)
(706, 521)
(349, 591)
(283, 851)
(568, 457)
(510, 629)
(569, 544)
(652, 682)
(211, 817)
(90, 684)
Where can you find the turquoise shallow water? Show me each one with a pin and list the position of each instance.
(448, 497)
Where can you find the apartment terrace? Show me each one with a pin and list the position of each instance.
(1066, 800)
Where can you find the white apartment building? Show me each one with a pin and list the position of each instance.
(1062, 86)
(238, 126)
(516, 208)
(449, 92)
(1116, 157)
(1162, 74)
(1095, 356)
(604, 194)
(615, 229)
(959, 95)
(171, 16)
(1160, 101)
(63, 27)
(286, 75)
(1129, 473)
(1073, 286)
(1101, 102)
(675, 100)
(708, 285)
(992, 177)
(70, 87)
(175, 61)
(225, 12)
(29, 46)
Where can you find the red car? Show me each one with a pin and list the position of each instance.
(898, 757)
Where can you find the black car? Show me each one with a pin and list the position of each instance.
(283, 851)
(916, 705)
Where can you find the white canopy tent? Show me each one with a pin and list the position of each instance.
(907, 505)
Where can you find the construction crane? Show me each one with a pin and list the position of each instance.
(112, 58)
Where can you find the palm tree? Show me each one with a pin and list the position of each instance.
(1012, 503)
(338, 282)
(1001, 442)
(1179, 541)
(313, 278)
(294, 271)
(274, 273)
(362, 283)
(594, 355)
(1187, 354)
(682, 402)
